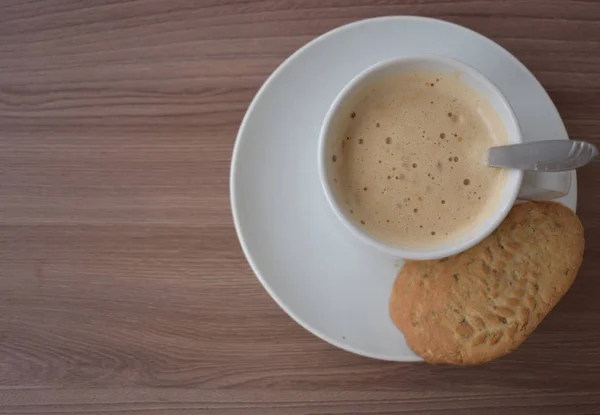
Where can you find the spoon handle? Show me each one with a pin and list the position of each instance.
(552, 155)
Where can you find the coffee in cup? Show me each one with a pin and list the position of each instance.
(408, 165)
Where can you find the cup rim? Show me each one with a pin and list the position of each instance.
(435, 252)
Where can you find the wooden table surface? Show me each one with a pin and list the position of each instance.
(123, 288)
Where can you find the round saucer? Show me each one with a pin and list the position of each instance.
(330, 283)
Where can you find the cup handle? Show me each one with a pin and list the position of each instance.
(545, 186)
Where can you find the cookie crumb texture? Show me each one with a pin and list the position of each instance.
(483, 303)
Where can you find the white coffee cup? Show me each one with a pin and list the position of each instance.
(549, 186)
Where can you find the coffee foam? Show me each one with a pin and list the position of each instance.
(408, 165)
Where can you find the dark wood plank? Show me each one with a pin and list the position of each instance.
(122, 285)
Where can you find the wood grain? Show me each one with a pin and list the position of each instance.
(122, 285)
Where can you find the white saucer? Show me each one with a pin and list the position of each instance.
(309, 263)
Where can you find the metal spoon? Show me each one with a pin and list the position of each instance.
(552, 155)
